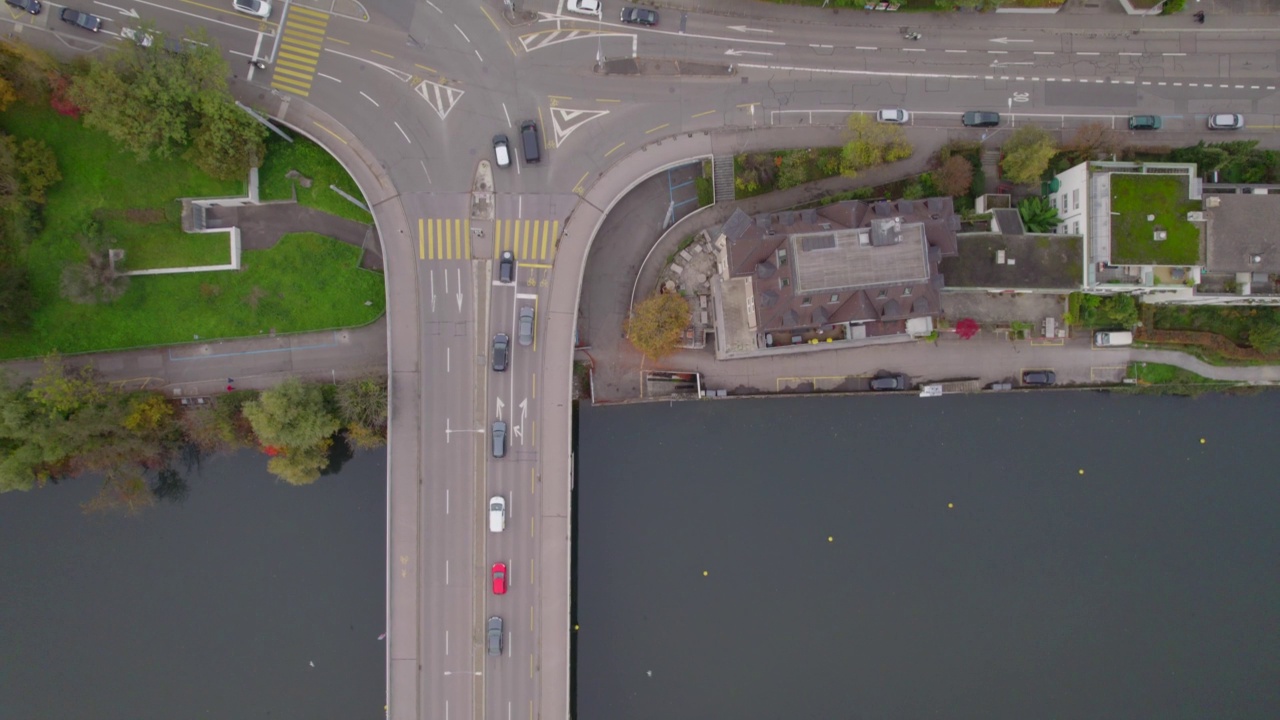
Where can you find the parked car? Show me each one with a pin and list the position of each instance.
(1144, 122)
(524, 328)
(977, 118)
(1039, 377)
(506, 267)
(81, 19)
(497, 513)
(890, 382)
(499, 578)
(1226, 121)
(501, 150)
(495, 635)
(583, 7)
(897, 116)
(501, 349)
(257, 8)
(1112, 338)
(639, 16)
(32, 6)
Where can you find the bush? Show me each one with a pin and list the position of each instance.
(1173, 6)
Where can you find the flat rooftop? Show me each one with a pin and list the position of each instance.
(1149, 221)
(835, 259)
(1042, 262)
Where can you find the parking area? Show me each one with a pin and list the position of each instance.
(989, 308)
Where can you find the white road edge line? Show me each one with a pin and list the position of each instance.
(366, 97)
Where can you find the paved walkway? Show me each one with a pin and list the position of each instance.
(262, 226)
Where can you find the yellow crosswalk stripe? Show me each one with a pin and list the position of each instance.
(301, 39)
(444, 239)
(526, 239)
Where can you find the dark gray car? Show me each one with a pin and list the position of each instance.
(977, 118)
(507, 267)
(524, 328)
(501, 348)
(890, 382)
(499, 439)
(1039, 377)
(495, 635)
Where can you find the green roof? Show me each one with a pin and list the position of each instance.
(1133, 236)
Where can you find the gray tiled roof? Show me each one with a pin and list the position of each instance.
(1243, 233)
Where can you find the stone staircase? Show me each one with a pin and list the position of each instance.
(722, 178)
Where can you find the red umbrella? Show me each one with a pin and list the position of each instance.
(967, 328)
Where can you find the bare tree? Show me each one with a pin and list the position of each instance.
(95, 280)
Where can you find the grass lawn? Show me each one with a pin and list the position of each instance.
(315, 163)
(1133, 198)
(1233, 323)
(154, 246)
(305, 282)
(1164, 379)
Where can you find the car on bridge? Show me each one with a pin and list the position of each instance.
(499, 578)
(81, 19)
(495, 635)
(499, 439)
(501, 350)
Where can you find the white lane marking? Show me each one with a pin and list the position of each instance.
(446, 501)
(328, 77)
(478, 55)
(432, 275)
(448, 361)
(464, 35)
(366, 97)
(446, 650)
(424, 171)
(402, 132)
(433, 7)
(507, 114)
(446, 572)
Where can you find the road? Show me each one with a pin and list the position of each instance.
(408, 97)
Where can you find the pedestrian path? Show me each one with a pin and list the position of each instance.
(444, 239)
(528, 240)
(301, 38)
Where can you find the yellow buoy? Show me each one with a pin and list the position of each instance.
(1201, 441)
(830, 539)
(950, 505)
(704, 573)
(1081, 471)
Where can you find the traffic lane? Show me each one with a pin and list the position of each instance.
(510, 678)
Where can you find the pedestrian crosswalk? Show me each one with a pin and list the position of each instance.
(528, 240)
(444, 239)
(301, 38)
(531, 241)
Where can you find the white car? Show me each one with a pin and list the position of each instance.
(1226, 121)
(893, 115)
(583, 7)
(497, 513)
(256, 8)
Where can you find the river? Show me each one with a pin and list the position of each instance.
(1038, 555)
(250, 599)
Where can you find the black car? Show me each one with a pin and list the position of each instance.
(1144, 122)
(32, 6)
(639, 16)
(977, 118)
(81, 19)
(890, 382)
(501, 347)
(1039, 377)
(507, 267)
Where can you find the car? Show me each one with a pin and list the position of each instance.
(495, 635)
(890, 382)
(506, 267)
(1039, 377)
(978, 118)
(81, 19)
(524, 328)
(893, 115)
(639, 16)
(256, 8)
(1226, 121)
(1144, 122)
(497, 513)
(501, 348)
(501, 150)
(583, 7)
(499, 439)
(32, 6)
(1112, 338)
(499, 578)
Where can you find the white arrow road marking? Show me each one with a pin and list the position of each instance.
(744, 28)
(433, 288)
(459, 289)
(127, 13)
(1005, 41)
(500, 406)
(738, 53)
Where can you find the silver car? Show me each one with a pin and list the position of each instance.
(495, 635)
(524, 328)
(1226, 121)
(895, 116)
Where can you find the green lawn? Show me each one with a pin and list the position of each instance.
(1133, 198)
(1233, 323)
(154, 246)
(1157, 378)
(315, 163)
(305, 282)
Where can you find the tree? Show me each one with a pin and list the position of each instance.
(17, 301)
(363, 402)
(967, 328)
(1038, 215)
(872, 143)
(227, 141)
(291, 415)
(955, 176)
(1264, 335)
(302, 465)
(95, 280)
(8, 95)
(657, 323)
(1095, 141)
(60, 391)
(1027, 154)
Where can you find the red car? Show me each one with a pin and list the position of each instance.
(499, 578)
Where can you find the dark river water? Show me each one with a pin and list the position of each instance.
(214, 608)
(1051, 555)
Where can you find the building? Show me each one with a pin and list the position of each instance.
(850, 271)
